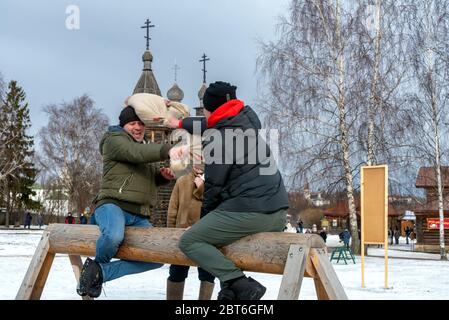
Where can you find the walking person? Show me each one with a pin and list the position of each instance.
(345, 237)
(396, 235)
(83, 219)
(300, 226)
(28, 219)
(391, 235)
(40, 220)
(408, 231)
(69, 219)
(323, 235)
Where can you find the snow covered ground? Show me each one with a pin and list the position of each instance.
(411, 275)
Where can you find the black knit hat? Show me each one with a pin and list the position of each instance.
(128, 115)
(217, 94)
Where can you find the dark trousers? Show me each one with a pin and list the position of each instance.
(180, 273)
(219, 228)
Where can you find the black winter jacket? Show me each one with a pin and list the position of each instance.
(239, 186)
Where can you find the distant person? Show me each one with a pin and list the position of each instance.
(83, 219)
(391, 235)
(28, 219)
(69, 219)
(40, 220)
(345, 237)
(323, 235)
(408, 231)
(300, 227)
(396, 235)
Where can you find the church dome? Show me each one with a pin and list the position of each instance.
(175, 93)
(147, 82)
(147, 56)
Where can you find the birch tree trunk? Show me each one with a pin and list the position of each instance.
(344, 134)
(434, 104)
(374, 99)
(8, 207)
(439, 180)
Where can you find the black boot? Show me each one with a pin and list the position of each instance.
(242, 289)
(91, 279)
(226, 293)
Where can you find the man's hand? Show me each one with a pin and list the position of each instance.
(167, 173)
(172, 122)
(180, 152)
(198, 182)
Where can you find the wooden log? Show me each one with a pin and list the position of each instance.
(262, 252)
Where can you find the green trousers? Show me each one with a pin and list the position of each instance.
(220, 228)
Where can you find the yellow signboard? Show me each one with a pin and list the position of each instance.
(374, 204)
(374, 211)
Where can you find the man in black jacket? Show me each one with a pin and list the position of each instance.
(241, 196)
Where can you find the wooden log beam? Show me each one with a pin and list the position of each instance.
(262, 252)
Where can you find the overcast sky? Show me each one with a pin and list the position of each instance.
(104, 57)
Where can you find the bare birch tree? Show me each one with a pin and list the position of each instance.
(429, 47)
(70, 143)
(382, 69)
(311, 75)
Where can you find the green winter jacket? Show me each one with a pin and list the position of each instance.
(129, 179)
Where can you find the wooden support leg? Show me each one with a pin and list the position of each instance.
(293, 272)
(320, 291)
(327, 277)
(36, 276)
(77, 265)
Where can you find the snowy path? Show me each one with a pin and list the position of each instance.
(409, 278)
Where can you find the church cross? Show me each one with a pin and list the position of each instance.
(148, 26)
(176, 68)
(204, 66)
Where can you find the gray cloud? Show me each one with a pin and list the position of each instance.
(103, 58)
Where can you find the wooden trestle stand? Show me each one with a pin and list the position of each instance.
(290, 254)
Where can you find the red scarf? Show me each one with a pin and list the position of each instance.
(229, 109)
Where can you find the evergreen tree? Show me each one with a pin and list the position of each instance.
(17, 170)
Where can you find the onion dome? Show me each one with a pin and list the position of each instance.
(175, 93)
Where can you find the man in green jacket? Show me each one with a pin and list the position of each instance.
(128, 191)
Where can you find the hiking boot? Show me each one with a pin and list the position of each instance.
(91, 279)
(247, 289)
(226, 294)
